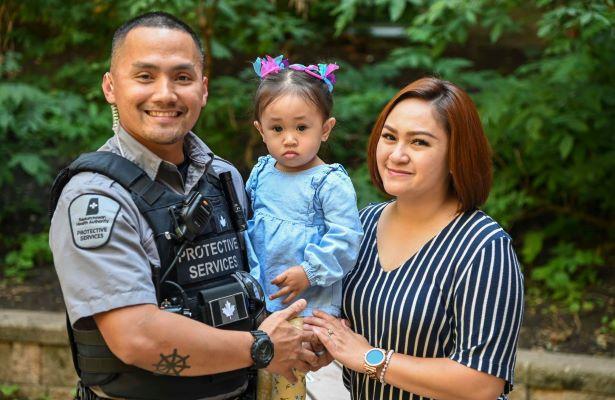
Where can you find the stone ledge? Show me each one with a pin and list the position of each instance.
(33, 326)
(564, 371)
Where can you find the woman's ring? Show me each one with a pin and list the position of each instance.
(320, 353)
(330, 332)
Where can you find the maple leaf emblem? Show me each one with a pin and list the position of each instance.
(222, 221)
(228, 309)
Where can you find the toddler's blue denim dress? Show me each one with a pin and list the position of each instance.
(306, 218)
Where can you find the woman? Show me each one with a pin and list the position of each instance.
(435, 300)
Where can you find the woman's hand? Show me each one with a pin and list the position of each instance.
(340, 341)
(291, 282)
(323, 358)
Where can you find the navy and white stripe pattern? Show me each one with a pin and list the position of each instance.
(460, 296)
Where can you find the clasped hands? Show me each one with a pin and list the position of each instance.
(294, 348)
(322, 339)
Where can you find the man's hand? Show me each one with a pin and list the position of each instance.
(287, 342)
(291, 282)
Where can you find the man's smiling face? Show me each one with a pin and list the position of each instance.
(156, 81)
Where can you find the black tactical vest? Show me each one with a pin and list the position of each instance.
(208, 282)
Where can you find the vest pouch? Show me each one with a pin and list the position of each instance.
(225, 305)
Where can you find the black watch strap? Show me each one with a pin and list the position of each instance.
(262, 349)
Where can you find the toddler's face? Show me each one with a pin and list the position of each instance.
(293, 129)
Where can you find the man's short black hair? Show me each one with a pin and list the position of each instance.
(155, 19)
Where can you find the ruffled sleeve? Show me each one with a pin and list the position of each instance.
(251, 185)
(252, 181)
(327, 261)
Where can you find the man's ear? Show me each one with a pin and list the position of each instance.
(259, 128)
(205, 92)
(107, 88)
(327, 127)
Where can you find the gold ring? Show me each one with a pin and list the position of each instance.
(330, 332)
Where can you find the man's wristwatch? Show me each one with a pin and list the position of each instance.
(262, 350)
(372, 360)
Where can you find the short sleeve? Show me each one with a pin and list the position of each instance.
(330, 260)
(488, 310)
(98, 276)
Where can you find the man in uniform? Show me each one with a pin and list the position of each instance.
(103, 248)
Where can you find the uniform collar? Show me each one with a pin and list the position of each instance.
(155, 167)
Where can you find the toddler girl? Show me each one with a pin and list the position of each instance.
(305, 232)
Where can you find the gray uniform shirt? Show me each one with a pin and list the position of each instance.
(103, 249)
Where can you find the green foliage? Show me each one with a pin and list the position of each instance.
(36, 126)
(9, 391)
(567, 273)
(608, 325)
(33, 250)
(541, 74)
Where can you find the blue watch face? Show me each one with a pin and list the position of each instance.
(374, 357)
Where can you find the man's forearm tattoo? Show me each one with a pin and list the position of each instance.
(172, 364)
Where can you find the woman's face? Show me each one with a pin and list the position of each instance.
(412, 152)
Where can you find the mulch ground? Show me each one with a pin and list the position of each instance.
(545, 326)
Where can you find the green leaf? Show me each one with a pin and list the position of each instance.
(533, 127)
(220, 51)
(496, 32)
(532, 245)
(396, 9)
(470, 16)
(33, 164)
(565, 146)
(345, 12)
(9, 390)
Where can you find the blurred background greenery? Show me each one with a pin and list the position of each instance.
(540, 72)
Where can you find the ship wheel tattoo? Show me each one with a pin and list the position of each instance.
(172, 364)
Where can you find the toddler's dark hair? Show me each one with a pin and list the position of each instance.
(290, 81)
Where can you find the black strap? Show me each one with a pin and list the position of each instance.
(103, 365)
(121, 170)
(73, 345)
(116, 167)
(88, 337)
(104, 362)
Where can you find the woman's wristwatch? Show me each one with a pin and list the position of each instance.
(372, 360)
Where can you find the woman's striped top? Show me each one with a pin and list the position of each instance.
(460, 296)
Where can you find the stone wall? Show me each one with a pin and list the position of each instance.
(34, 356)
(557, 376)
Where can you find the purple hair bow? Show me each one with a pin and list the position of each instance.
(268, 65)
(323, 72)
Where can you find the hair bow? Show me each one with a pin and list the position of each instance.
(323, 72)
(268, 65)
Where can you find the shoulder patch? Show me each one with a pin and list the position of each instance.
(92, 217)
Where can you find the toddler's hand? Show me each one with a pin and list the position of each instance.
(291, 282)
